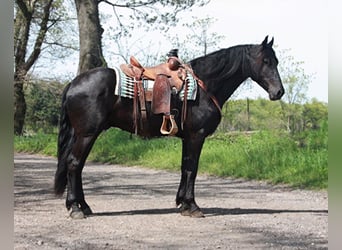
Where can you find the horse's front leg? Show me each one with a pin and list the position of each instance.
(185, 198)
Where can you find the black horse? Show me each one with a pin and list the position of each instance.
(89, 107)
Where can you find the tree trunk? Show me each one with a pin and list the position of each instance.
(90, 32)
(19, 104)
(23, 63)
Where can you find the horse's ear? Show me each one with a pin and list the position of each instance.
(270, 44)
(264, 43)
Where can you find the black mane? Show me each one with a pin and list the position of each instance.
(222, 64)
(223, 71)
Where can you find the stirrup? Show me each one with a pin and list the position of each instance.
(169, 128)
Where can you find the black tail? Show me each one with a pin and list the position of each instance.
(65, 139)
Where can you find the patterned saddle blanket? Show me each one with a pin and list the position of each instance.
(125, 86)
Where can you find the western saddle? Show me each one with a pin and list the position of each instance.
(168, 78)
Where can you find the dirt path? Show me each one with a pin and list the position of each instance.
(135, 209)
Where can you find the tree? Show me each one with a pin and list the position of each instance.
(90, 32)
(36, 29)
(296, 83)
(26, 12)
(259, 114)
(294, 78)
(314, 114)
(201, 35)
(145, 14)
(60, 44)
(199, 39)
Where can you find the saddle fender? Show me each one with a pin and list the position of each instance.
(161, 95)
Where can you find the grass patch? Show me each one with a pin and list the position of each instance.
(267, 156)
(41, 143)
(300, 161)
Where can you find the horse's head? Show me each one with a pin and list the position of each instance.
(264, 69)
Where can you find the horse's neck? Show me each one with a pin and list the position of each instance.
(230, 74)
(227, 87)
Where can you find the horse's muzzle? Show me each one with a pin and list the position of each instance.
(276, 94)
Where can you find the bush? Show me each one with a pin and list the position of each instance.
(43, 101)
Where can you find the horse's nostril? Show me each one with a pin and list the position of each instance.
(276, 95)
(280, 93)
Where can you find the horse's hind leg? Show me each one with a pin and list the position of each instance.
(75, 201)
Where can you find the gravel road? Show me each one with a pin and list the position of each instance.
(134, 208)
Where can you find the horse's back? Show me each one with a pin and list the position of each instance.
(92, 82)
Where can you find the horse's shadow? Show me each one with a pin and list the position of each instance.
(209, 212)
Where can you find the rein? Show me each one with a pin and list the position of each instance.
(201, 84)
(204, 88)
(212, 97)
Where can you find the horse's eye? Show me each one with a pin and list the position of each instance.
(266, 61)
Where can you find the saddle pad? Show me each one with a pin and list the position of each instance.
(125, 85)
(192, 88)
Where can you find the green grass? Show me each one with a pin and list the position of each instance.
(299, 161)
(265, 156)
(45, 144)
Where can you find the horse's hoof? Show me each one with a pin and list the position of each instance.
(87, 211)
(185, 212)
(77, 215)
(197, 214)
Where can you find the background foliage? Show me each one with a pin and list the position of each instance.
(43, 105)
(251, 142)
(282, 142)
